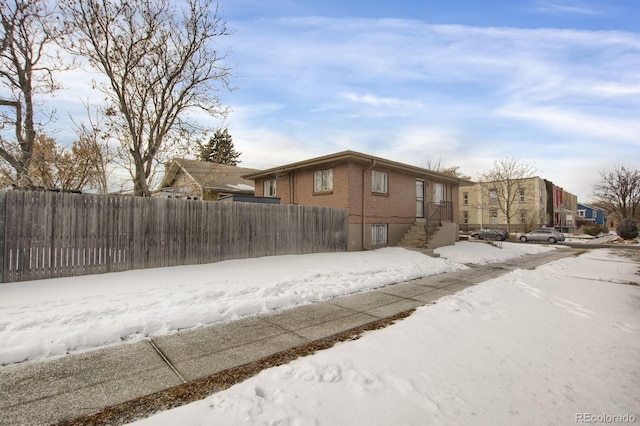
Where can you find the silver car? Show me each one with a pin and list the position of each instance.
(544, 234)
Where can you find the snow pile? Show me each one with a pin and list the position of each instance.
(555, 345)
(46, 318)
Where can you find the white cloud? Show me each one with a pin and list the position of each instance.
(572, 122)
(371, 99)
(571, 8)
(613, 89)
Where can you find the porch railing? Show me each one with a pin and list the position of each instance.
(439, 212)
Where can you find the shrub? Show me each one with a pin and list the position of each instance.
(594, 231)
(627, 229)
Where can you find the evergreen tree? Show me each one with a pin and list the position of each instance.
(220, 149)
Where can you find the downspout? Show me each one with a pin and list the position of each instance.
(291, 188)
(364, 209)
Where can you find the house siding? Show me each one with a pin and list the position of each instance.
(595, 215)
(397, 206)
(186, 186)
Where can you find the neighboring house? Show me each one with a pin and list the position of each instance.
(387, 200)
(533, 202)
(595, 215)
(564, 207)
(201, 180)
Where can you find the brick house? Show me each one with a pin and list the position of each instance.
(389, 203)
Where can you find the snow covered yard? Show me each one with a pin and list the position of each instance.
(54, 317)
(556, 345)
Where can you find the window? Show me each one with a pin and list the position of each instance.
(522, 195)
(439, 193)
(419, 198)
(379, 182)
(465, 217)
(270, 188)
(493, 196)
(582, 213)
(379, 234)
(465, 198)
(323, 180)
(493, 217)
(523, 216)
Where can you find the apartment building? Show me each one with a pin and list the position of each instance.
(518, 205)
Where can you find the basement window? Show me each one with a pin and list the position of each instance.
(379, 234)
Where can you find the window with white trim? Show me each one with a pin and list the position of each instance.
(523, 216)
(378, 234)
(323, 180)
(465, 198)
(465, 217)
(522, 199)
(269, 188)
(439, 193)
(379, 182)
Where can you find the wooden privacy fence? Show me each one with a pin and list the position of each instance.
(47, 234)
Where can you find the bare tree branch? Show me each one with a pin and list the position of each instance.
(619, 192)
(501, 185)
(27, 67)
(160, 62)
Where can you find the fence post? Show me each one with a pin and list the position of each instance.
(3, 220)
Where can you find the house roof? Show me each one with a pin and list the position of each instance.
(214, 176)
(353, 156)
(588, 206)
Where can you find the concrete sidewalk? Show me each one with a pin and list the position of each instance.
(62, 389)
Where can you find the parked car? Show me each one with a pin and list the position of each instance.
(490, 234)
(544, 234)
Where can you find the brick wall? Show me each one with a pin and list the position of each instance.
(397, 206)
(304, 188)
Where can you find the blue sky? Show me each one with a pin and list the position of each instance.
(461, 82)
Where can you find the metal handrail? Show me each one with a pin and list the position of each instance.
(439, 211)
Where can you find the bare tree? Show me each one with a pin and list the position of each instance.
(449, 171)
(93, 139)
(501, 185)
(76, 169)
(619, 192)
(28, 62)
(160, 62)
